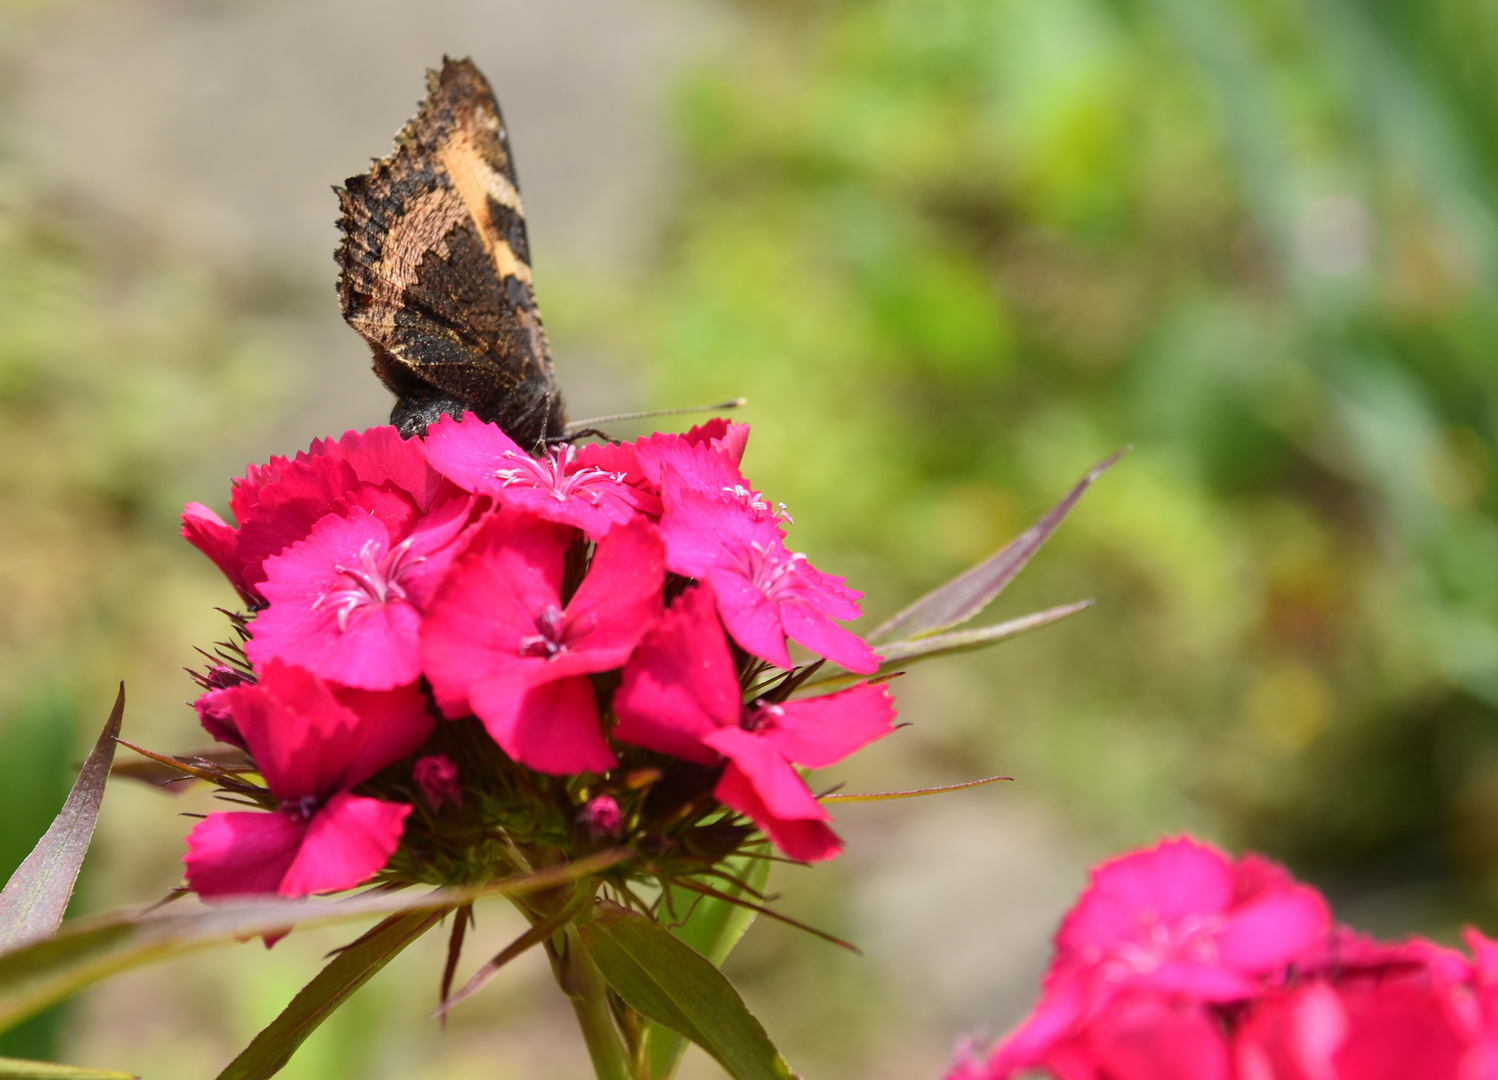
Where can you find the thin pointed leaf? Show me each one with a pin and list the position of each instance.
(15, 1069)
(665, 980)
(885, 796)
(315, 1002)
(967, 594)
(532, 937)
(36, 897)
(82, 953)
(904, 653)
(712, 926)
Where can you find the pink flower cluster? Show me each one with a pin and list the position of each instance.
(1179, 963)
(591, 597)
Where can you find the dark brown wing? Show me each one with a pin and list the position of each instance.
(436, 269)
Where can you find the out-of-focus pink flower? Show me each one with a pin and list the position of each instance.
(346, 602)
(278, 503)
(1180, 918)
(765, 593)
(680, 695)
(437, 777)
(498, 641)
(602, 816)
(564, 485)
(312, 743)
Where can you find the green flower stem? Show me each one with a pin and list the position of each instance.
(581, 981)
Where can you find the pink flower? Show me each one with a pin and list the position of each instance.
(565, 485)
(499, 641)
(1180, 918)
(312, 743)
(437, 777)
(346, 602)
(765, 593)
(277, 504)
(680, 695)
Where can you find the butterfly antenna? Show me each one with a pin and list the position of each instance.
(724, 406)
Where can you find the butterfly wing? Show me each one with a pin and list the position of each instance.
(436, 269)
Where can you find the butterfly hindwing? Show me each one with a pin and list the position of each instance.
(436, 269)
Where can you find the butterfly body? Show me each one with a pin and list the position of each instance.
(436, 269)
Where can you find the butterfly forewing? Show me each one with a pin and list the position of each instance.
(436, 269)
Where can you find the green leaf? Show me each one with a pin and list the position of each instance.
(37, 974)
(665, 980)
(712, 927)
(36, 896)
(315, 1002)
(969, 593)
(15, 1069)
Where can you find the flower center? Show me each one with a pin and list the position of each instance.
(302, 809)
(769, 567)
(549, 641)
(1191, 938)
(373, 581)
(549, 474)
(761, 716)
(755, 501)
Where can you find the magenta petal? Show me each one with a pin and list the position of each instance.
(725, 436)
(469, 452)
(1274, 930)
(348, 842)
(307, 743)
(324, 616)
(821, 731)
(392, 724)
(380, 456)
(806, 841)
(750, 616)
(1150, 1038)
(209, 533)
(815, 631)
(620, 599)
(551, 726)
(510, 570)
(1176, 879)
(241, 853)
(779, 786)
(680, 684)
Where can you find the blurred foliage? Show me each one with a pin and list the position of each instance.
(955, 250)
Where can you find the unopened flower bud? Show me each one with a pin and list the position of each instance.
(602, 816)
(437, 777)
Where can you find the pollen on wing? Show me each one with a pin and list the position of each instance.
(549, 474)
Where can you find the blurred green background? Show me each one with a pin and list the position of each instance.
(953, 251)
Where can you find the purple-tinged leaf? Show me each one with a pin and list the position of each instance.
(354, 966)
(904, 653)
(15, 1069)
(967, 594)
(885, 796)
(36, 896)
(41, 973)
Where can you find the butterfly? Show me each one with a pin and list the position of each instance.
(436, 271)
